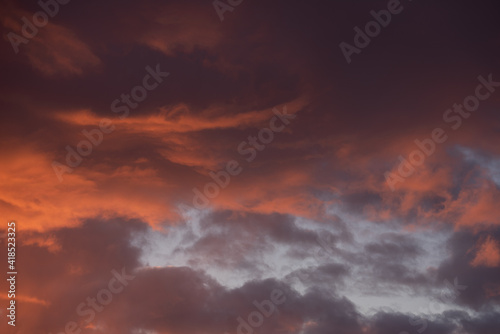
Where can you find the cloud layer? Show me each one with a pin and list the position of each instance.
(310, 213)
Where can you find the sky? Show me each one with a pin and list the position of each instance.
(238, 166)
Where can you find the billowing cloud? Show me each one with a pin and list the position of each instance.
(257, 160)
(488, 253)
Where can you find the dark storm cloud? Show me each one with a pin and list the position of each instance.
(487, 323)
(74, 263)
(247, 237)
(481, 281)
(398, 323)
(72, 268)
(212, 309)
(447, 322)
(61, 269)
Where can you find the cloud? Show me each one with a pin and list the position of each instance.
(159, 299)
(51, 204)
(488, 253)
(312, 215)
(481, 280)
(55, 49)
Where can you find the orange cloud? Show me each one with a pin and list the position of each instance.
(55, 49)
(27, 299)
(59, 51)
(488, 254)
(181, 33)
(31, 195)
(160, 123)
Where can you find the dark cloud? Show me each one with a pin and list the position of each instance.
(314, 204)
(481, 281)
